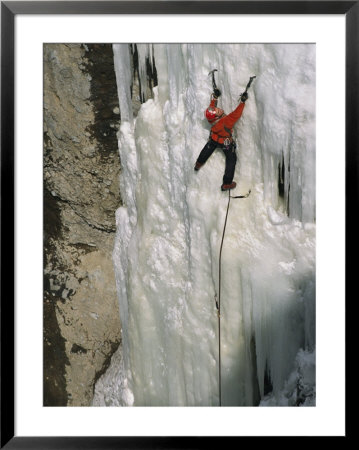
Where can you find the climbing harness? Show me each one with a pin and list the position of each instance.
(227, 136)
(218, 302)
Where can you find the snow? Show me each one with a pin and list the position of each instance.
(169, 231)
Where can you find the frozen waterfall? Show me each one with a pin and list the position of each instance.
(170, 226)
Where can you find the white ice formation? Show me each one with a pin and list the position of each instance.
(170, 226)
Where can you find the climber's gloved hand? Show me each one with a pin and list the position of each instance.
(216, 93)
(244, 97)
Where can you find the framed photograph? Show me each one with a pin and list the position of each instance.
(176, 180)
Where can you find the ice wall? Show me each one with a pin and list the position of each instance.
(170, 227)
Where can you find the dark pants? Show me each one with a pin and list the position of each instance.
(230, 154)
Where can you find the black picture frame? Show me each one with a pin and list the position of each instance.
(9, 9)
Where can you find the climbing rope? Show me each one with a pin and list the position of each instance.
(218, 304)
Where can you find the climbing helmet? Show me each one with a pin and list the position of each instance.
(213, 114)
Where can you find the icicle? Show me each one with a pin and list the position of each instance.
(143, 52)
(124, 79)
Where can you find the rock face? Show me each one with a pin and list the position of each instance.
(81, 194)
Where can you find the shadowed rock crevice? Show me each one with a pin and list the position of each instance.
(103, 97)
(54, 389)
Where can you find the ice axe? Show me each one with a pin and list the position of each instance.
(248, 86)
(213, 80)
(250, 82)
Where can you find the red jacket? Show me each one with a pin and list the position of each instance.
(224, 127)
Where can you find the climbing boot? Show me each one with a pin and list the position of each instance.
(197, 166)
(225, 187)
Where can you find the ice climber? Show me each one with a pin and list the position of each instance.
(221, 136)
